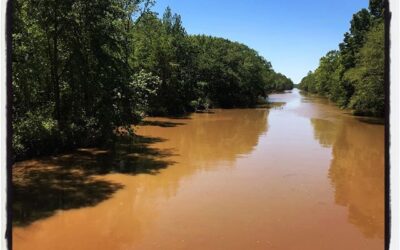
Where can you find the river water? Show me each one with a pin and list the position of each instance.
(300, 175)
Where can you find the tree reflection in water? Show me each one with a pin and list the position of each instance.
(357, 170)
(43, 186)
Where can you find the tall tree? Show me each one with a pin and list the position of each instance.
(368, 75)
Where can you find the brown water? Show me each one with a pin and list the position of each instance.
(302, 175)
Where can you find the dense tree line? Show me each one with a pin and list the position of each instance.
(198, 71)
(353, 76)
(280, 83)
(80, 69)
(230, 74)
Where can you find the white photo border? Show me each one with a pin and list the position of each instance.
(394, 149)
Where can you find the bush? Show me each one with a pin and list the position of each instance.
(34, 135)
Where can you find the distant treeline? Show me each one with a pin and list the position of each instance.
(353, 76)
(82, 68)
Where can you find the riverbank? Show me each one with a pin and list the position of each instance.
(360, 116)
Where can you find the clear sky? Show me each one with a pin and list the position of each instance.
(291, 34)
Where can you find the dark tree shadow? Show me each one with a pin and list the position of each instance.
(44, 186)
(44, 192)
(371, 120)
(179, 117)
(163, 124)
(205, 112)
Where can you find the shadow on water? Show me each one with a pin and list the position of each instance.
(163, 124)
(371, 120)
(179, 117)
(42, 187)
(205, 112)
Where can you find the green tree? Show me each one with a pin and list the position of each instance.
(69, 69)
(353, 77)
(81, 69)
(368, 75)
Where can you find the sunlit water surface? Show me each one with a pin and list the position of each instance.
(301, 175)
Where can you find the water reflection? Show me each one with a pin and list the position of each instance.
(44, 186)
(205, 142)
(214, 181)
(207, 138)
(325, 131)
(357, 170)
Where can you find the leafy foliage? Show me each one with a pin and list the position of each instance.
(368, 75)
(81, 69)
(353, 77)
(233, 75)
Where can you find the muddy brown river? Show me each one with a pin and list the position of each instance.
(300, 175)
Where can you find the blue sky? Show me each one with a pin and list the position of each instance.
(291, 34)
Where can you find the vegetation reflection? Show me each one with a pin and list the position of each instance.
(357, 170)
